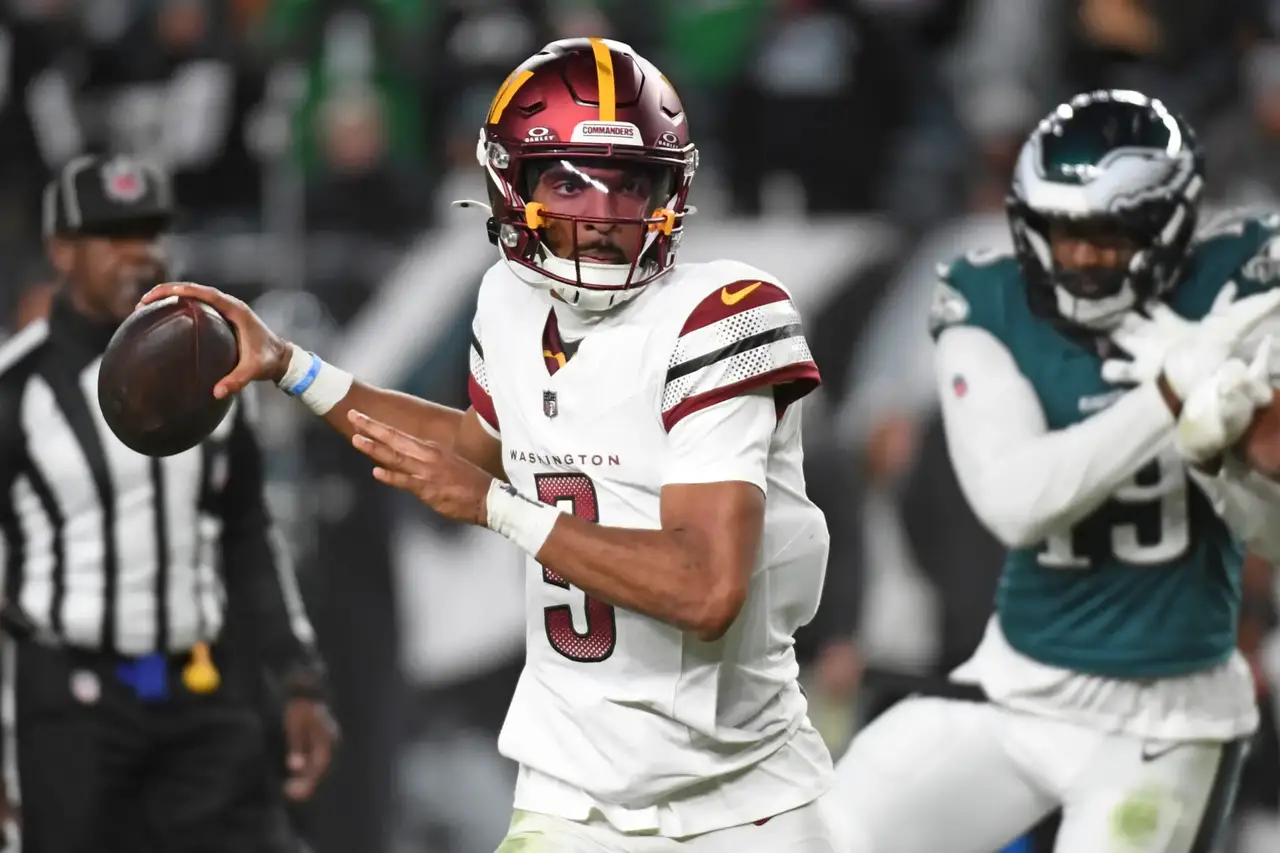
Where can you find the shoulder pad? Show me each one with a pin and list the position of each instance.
(1263, 268)
(734, 298)
(948, 307)
(744, 335)
(1245, 249)
(970, 290)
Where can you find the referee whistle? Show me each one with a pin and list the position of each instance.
(200, 675)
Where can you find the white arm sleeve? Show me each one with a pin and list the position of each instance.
(725, 442)
(1022, 480)
(1248, 502)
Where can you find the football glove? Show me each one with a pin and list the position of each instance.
(1185, 352)
(1219, 411)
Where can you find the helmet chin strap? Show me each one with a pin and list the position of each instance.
(1099, 314)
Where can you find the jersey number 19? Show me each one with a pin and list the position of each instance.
(1159, 493)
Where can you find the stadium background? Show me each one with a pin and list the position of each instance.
(847, 146)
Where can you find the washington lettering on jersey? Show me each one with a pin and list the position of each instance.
(617, 712)
(559, 460)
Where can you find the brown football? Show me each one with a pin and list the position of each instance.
(1261, 443)
(155, 383)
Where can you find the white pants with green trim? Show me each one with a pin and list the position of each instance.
(936, 775)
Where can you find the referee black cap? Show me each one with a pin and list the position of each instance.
(104, 196)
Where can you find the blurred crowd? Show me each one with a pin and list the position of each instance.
(316, 145)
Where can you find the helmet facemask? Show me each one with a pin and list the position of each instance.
(591, 226)
(1096, 297)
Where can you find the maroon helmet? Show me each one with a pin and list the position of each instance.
(578, 105)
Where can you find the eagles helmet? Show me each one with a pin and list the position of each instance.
(1118, 163)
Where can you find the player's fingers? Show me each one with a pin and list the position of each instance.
(211, 295)
(233, 383)
(312, 760)
(1123, 339)
(387, 456)
(321, 752)
(1131, 329)
(396, 479)
(1119, 372)
(241, 376)
(388, 435)
(1165, 317)
(160, 291)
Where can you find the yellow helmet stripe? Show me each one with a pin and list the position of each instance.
(506, 92)
(604, 80)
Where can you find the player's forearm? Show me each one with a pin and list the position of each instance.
(333, 393)
(1052, 481)
(660, 573)
(417, 417)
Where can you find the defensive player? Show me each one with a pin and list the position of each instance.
(632, 428)
(1108, 682)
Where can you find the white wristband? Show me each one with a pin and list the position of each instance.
(319, 386)
(525, 522)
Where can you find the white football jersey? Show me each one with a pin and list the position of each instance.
(615, 711)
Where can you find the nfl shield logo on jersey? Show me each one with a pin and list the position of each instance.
(123, 180)
(549, 406)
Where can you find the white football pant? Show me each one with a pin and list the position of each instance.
(938, 775)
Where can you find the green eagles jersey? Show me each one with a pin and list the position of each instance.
(1149, 584)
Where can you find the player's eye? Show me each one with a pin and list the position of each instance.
(568, 186)
(637, 187)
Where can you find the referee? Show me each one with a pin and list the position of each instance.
(146, 594)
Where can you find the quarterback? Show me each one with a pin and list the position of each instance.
(1095, 386)
(633, 427)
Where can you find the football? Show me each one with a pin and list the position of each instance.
(155, 383)
(1261, 443)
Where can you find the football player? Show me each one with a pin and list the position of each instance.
(633, 428)
(1094, 385)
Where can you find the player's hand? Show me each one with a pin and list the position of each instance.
(264, 355)
(438, 477)
(310, 733)
(1149, 339)
(1186, 354)
(1219, 411)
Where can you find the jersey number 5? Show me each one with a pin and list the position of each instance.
(1157, 499)
(577, 494)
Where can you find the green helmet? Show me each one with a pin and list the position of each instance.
(1118, 162)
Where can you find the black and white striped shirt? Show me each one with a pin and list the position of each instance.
(114, 551)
